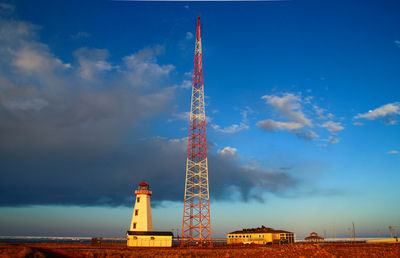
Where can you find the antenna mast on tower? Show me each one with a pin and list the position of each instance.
(196, 229)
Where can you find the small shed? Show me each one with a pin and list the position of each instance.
(314, 238)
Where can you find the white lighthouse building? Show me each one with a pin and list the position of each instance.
(141, 217)
(141, 229)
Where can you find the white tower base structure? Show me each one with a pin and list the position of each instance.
(141, 230)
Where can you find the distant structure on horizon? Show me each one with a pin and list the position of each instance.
(141, 230)
(196, 226)
(261, 235)
(314, 238)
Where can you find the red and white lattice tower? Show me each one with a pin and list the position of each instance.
(196, 229)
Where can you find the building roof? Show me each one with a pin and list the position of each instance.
(312, 236)
(261, 229)
(150, 233)
(144, 184)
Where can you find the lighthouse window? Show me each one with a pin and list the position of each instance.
(134, 225)
(136, 212)
(138, 199)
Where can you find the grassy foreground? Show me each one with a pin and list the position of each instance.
(120, 250)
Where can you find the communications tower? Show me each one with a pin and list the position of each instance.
(196, 228)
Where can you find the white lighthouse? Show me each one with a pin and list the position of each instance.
(141, 217)
(141, 229)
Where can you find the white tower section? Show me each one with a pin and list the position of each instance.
(141, 217)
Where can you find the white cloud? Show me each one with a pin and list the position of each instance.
(227, 152)
(393, 152)
(322, 113)
(271, 125)
(289, 106)
(389, 121)
(36, 58)
(245, 113)
(333, 140)
(234, 128)
(186, 84)
(189, 35)
(292, 109)
(92, 62)
(143, 65)
(333, 127)
(185, 116)
(230, 129)
(296, 128)
(382, 111)
(358, 124)
(307, 135)
(397, 42)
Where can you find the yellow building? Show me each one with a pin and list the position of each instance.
(261, 235)
(141, 229)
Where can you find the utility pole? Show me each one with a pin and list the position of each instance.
(335, 233)
(350, 233)
(354, 233)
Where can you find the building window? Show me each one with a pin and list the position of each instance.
(135, 238)
(136, 212)
(152, 238)
(134, 225)
(138, 199)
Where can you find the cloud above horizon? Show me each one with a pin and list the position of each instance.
(290, 108)
(386, 112)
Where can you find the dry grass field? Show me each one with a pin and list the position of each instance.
(120, 250)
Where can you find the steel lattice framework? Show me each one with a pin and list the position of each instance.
(196, 229)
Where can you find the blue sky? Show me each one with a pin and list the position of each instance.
(303, 105)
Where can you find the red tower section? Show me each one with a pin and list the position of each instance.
(196, 228)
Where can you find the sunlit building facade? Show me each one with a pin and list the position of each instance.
(261, 235)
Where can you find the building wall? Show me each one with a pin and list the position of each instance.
(149, 241)
(259, 238)
(143, 218)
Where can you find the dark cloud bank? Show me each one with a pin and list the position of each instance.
(77, 177)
